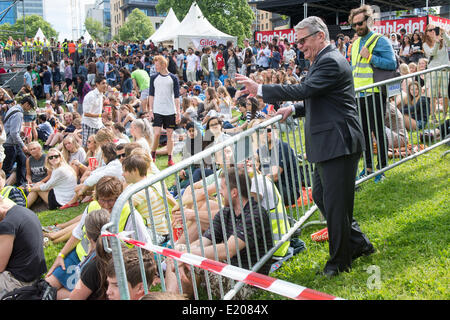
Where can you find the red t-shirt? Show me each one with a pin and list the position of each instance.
(220, 61)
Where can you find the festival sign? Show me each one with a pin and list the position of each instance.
(281, 34)
(394, 26)
(201, 42)
(443, 23)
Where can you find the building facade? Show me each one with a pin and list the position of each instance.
(31, 7)
(11, 16)
(120, 9)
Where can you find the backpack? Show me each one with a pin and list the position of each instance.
(40, 290)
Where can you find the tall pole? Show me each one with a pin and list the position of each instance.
(23, 16)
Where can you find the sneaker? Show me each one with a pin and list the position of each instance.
(320, 236)
(170, 163)
(361, 175)
(380, 178)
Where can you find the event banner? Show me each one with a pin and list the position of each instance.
(440, 22)
(200, 43)
(281, 34)
(394, 26)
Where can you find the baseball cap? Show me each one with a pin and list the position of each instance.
(197, 87)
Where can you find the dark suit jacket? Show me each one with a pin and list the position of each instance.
(332, 127)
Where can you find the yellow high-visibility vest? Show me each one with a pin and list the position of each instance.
(362, 70)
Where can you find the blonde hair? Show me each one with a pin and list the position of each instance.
(103, 136)
(404, 69)
(146, 129)
(161, 60)
(63, 161)
(74, 141)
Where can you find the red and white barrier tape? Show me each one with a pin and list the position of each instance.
(261, 281)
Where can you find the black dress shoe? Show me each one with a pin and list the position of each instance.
(365, 251)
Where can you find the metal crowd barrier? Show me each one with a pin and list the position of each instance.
(294, 217)
(22, 55)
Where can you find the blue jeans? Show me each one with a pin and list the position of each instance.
(210, 79)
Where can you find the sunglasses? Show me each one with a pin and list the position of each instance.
(301, 41)
(120, 156)
(53, 157)
(359, 24)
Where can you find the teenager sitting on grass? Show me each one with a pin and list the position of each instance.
(112, 168)
(132, 268)
(59, 189)
(62, 273)
(73, 153)
(91, 285)
(135, 169)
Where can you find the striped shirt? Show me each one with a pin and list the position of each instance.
(158, 209)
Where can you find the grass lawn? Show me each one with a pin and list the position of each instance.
(406, 218)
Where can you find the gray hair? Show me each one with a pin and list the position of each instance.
(313, 24)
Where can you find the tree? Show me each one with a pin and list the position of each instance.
(96, 29)
(233, 17)
(32, 24)
(137, 27)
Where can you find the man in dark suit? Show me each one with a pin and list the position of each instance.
(333, 135)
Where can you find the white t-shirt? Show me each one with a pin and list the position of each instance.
(165, 89)
(191, 61)
(288, 55)
(93, 103)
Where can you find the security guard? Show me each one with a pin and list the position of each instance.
(368, 51)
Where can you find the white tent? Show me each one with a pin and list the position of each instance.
(39, 34)
(170, 23)
(196, 31)
(87, 37)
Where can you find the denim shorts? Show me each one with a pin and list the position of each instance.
(420, 124)
(29, 117)
(69, 277)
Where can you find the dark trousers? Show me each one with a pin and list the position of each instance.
(15, 154)
(334, 194)
(372, 119)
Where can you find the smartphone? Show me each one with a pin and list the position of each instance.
(437, 30)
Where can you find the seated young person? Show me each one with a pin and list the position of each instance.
(61, 274)
(59, 189)
(112, 168)
(132, 268)
(135, 169)
(234, 243)
(22, 259)
(91, 285)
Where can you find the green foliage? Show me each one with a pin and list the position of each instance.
(32, 24)
(138, 27)
(96, 29)
(233, 17)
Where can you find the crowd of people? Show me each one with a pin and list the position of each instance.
(86, 125)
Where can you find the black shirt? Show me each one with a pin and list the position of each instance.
(90, 276)
(261, 238)
(27, 260)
